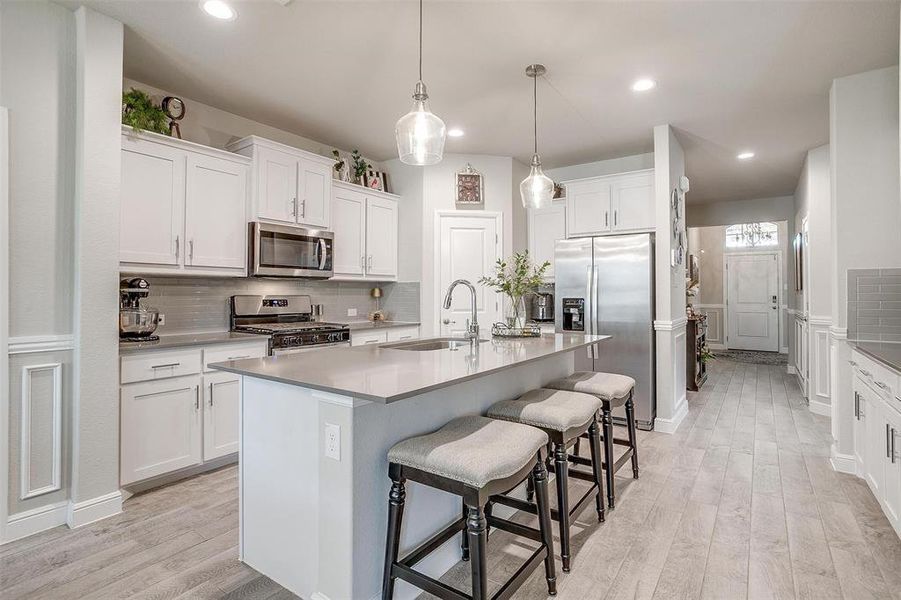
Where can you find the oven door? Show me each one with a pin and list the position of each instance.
(283, 351)
(286, 251)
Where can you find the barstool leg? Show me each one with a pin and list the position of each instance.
(561, 470)
(594, 440)
(530, 490)
(607, 424)
(477, 530)
(630, 421)
(464, 544)
(396, 498)
(539, 482)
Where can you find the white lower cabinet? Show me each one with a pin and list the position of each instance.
(366, 338)
(176, 412)
(399, 334)
(161, 427)
(221, 406)
(877, 432)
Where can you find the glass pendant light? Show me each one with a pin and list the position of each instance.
(537, 190)
(420, 134)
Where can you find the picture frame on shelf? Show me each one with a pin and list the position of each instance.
(469, 186)
(376, 180)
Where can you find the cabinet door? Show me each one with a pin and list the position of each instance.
(633, 202)
(160, 427)
(216, 213)
(399, 334)
(381, 237)
(315, 195)
(349, 227)
(152, 203)
(221, 406)
(875, 442)
(277, 186)
(546, 226)
(588, 207)
(891, 484)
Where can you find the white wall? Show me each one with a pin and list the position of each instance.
(611, 166)
(780, 208)
(866, 214)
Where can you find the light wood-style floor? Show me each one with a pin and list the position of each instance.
(740, 503)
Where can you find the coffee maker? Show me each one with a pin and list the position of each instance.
(136, 323)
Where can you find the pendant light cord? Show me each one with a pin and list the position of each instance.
(535, 109)
(420, 40)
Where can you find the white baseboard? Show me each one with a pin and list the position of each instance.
(843, 463)
(82, 513)
(671, 425)
(820, 408)
(34, 521)
(783, 350)
(791, 370)
(713, 346)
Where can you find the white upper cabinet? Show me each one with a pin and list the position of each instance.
(152, 202)
(546, 226)
(610, 204)
(365, 226)
(183, 207)
(633, 202)
(216, 213)
(290, 185)
(588, 207)
(349, 227)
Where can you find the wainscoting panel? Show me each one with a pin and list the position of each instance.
(40, 443)
(715, 323)
(819, 356)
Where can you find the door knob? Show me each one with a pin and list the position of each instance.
(447, 321)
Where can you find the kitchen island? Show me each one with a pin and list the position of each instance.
(315, 432)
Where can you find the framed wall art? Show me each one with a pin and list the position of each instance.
(469, 186)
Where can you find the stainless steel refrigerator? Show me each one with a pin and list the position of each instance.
(605, 285)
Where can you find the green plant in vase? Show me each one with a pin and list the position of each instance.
(139, 111)
(516, 278)
(705, 354)
(359, 166)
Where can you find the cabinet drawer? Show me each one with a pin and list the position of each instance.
(399, 334)
(159, 365)
(225, 352)
(363, 338)
(883, 380)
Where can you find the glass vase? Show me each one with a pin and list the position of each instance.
(515, 311)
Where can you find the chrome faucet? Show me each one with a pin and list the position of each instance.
(472, 324)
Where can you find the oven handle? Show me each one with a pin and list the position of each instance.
(323, 254)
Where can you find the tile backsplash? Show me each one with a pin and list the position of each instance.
(196, 304)
(874, 304)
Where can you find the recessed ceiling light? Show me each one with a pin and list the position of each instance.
(218, 9)
(455, 132)
(745, 155)
(643, 85)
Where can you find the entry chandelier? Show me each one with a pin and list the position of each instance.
(420, 134)
(537, 190)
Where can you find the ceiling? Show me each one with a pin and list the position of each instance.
(731, 75)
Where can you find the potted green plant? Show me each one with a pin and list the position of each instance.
(359, 167)
(139, 111)
(516, 278)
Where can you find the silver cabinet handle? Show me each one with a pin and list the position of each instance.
(615, 217)
(238, 357)
(196, 397)
(881, 385)
(191, 250)
(892, 448)
(303, 208)
(211, 395)
(606, 218)
(371, 341)
(370, 262)
(857, 406)
(852, 363)
(294, 207)
(363, 262)
(177, 247)
(865, 373)
(888, 446)
(166, 366)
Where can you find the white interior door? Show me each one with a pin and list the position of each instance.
(752, 300)
(468, 247)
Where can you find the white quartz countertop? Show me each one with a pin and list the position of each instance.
(190, 339)
(364, 325)
(386, 375)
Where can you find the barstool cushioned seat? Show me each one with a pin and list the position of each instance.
(608, 387)
(558, 410)
(473, 450)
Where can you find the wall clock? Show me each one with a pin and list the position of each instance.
(469, 186)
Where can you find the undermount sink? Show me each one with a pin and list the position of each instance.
(432, 344)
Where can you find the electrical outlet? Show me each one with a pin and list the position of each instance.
(351, 312)
(333, 441)
(161, 320)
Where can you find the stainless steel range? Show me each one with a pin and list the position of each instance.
(287, 320)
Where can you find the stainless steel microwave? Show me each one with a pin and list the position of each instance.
(288, 251)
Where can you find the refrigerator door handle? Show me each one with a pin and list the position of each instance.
(593, 309)
(589, 304)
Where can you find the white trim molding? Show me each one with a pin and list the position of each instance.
(41, 343)
(56, 428)
(838, 333)
(95, 509)
(843, 463)
(819, 384)
(30, 522)
(671, 425)
(673, 325)
(4, 324)
(820, 408)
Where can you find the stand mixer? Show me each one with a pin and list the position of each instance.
(136, 323)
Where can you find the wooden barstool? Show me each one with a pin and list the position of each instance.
(473, 457)
(563, 416)
(613, 391)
